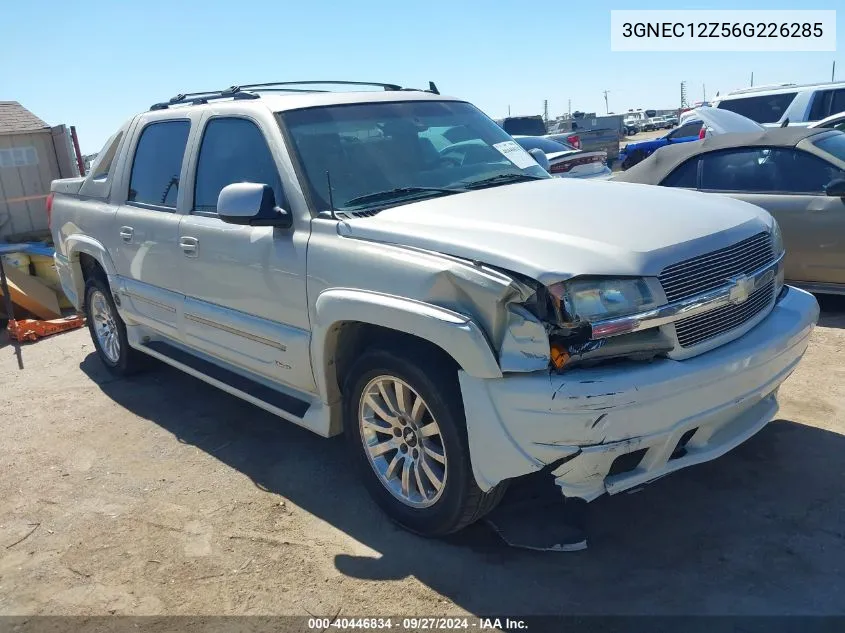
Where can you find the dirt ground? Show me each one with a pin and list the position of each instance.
(162, 495)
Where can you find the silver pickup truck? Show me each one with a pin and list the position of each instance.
(464, 318)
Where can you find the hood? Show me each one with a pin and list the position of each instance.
(554, 229)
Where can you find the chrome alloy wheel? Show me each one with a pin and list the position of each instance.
(402, 441)
(105, 326)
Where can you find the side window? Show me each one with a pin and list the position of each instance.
(103, 162)
(686, 130)
(158, 163)
(827, 102)
(763, 109)
(801, 172)
(684, 176)
(233, 150)
(837, 105)
(821, 105)
(748, 170)
(760, 170)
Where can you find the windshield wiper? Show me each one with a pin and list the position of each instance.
(501, 179)
(400, 193)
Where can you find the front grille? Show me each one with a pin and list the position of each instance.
(700, 328)
(712, 270)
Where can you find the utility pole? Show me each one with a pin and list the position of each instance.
(546, 110)
(569, 109)
(606, 107)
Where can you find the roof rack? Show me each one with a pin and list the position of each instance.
(761, 88)
(249, 91)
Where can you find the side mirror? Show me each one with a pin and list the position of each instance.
(252, 204)
(835, 188)
(541, 158)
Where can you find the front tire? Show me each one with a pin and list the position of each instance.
(108, 331)
(404, 423)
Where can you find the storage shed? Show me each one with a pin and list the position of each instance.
(32, 154)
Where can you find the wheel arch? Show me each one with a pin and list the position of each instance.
(86, 257)
(348, 320)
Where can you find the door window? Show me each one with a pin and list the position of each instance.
(233, 150)
(158, 164)
(684, 176)
(769, 170)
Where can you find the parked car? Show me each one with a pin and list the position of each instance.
(632, 128)
(463, 322)
(833, 122)
(777, 104)
(566, 161)
(532, 125)
(797, 174)
(633, 153)
(600, 140)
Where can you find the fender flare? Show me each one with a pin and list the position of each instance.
(451, 331)
(74, 245)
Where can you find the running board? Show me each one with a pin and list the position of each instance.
(281, 404)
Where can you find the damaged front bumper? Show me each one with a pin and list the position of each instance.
(608, 429)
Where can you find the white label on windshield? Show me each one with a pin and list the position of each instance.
(514, 153)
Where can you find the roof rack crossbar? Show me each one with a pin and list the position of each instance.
(320, 83)
(197, 98)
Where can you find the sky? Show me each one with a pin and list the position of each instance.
(96, 64)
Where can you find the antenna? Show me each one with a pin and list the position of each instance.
(752, 78)
(331, 197)
(833, 71)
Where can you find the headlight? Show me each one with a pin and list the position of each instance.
(777, 238)
(596, 299)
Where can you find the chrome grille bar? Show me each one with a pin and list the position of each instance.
(710, 271)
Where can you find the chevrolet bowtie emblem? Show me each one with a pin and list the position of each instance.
(742, 287)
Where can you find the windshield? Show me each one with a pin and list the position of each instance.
(546, 145)
(378, 154)
(833, 144)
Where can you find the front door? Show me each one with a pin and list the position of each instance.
(789, 183)
(244, 286)
(146, 227)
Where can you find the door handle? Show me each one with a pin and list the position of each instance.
(189, 245)
(126, 233)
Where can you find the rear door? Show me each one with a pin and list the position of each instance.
(789, 183)
(244, 286)
(144, 240)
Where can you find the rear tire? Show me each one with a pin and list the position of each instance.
(405, 426)
(108, 331)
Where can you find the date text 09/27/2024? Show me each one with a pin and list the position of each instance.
(416, 624)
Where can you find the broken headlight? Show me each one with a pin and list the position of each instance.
(594, 299)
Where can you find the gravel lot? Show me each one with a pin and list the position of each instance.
(162, 495)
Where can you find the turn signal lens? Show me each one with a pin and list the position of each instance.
(559, 355)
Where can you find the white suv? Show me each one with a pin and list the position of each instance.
(772, 105)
